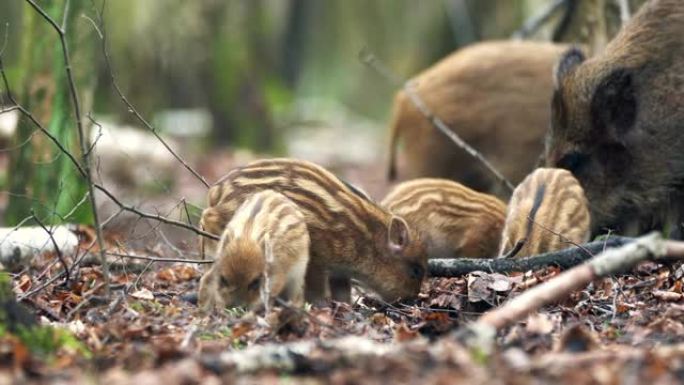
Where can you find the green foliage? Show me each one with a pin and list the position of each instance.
(194, 212)
(221, 333)
(41, 178)
(44, 342)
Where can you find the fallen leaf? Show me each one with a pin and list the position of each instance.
(143, 294)
(539, 323)
(481, 285)
(24, 284)
(403, 333)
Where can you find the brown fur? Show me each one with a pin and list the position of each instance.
(495, 95)
(617, 122)
(351, 236)
(548, 212)
(267, 234)
(454, 220)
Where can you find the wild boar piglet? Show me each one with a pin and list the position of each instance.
(351, 235)
(547, 212)
(482, 92)
(454, 220)
(264, 249)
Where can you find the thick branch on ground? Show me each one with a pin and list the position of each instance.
(322, 357)
(302, 356)
(369, 59)
(564, 259)
(612, 261)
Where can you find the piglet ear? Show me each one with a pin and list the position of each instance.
(399, 236)
(570, 60)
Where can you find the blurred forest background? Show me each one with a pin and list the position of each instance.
(217, 77)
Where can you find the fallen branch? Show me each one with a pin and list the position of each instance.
(301, 356)
(369, 59)
(612, 261)
(564, 259)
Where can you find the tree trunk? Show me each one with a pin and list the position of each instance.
(40, 177)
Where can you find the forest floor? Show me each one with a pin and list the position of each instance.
(627, 329)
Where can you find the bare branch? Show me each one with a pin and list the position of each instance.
(102, 34)
(625, 13)
(155, 259)
(6, 39)
(155, 217)
(58, 251)
(369, 59)
(80, 169)
(61, 31)
(532, 24)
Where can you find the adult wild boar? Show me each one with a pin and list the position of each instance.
(618, 123)
(495, 95)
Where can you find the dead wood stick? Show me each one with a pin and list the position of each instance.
(301, 356)
(564, 259)
(612, 261)
(58, 251)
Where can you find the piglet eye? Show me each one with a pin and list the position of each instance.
(254, 285)
(416, 271)
(224, 282)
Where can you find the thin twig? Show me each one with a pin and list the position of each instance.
(61, 31)
(102, 34)
(41, 287)
(369, 59)
(58, 251)
(140, 276)
(86, 298)
(532, 24)
(5, 40)
(81, 171)
(155, 259)
(156, 217)
(564, 238)
(625, 13)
